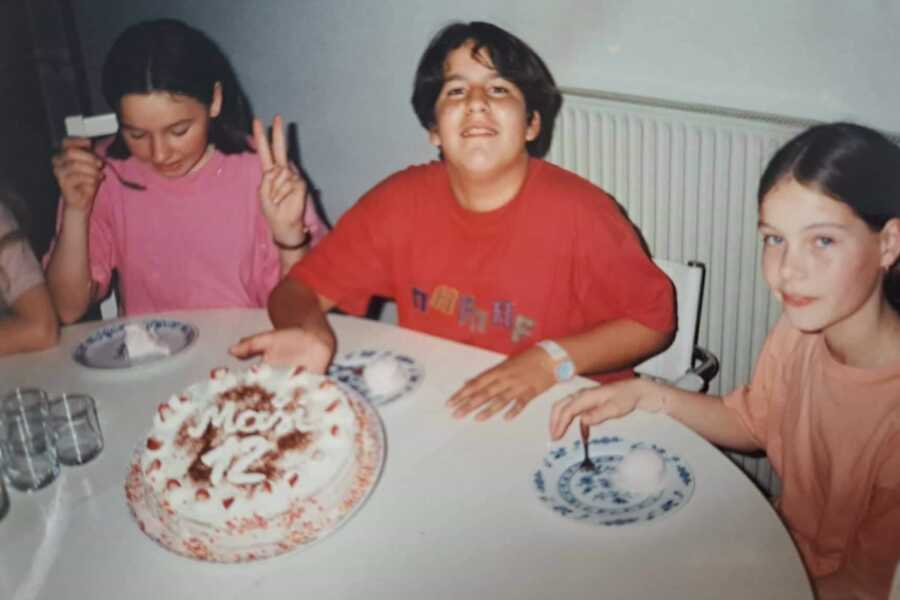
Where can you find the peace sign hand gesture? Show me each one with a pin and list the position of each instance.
(282, 191)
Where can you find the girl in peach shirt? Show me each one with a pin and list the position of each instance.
(824, 401)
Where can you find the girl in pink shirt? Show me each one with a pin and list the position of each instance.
(178, 202)
(824, 401)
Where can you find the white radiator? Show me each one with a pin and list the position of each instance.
(687, 176)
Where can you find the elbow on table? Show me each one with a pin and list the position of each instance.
(31, 335)
(43, 331)
(46, 334)
(655, 341)
(665, 339)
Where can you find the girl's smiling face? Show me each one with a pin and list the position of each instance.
(820, 259)
(170, 132)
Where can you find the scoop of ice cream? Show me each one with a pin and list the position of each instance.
(642, 471)
(141, 342)
(383, 376)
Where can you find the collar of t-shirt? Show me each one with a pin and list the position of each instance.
(488, 223)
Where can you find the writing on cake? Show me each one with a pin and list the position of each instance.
(250, 458)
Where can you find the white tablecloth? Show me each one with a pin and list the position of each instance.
(453, 516)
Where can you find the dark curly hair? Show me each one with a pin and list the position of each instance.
(167, 55)
(513, 60)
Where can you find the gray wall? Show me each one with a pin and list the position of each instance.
(342, 69)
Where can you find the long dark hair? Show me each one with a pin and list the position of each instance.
(513, 60)
(851, 164)
(169, 56)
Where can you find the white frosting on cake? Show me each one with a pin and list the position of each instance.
(384, 376)
(642, 471)
(141, 342)
(239, 459)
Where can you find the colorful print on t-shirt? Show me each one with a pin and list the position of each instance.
(465, 310)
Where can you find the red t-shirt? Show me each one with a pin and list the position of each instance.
(556, 260)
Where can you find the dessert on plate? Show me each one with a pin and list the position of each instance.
(141, 342)
(642, 472)
(384, 376)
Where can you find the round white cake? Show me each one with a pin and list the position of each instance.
(249, 463)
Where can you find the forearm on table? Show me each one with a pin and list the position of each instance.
(612, 346)
(32, 325)
(68, 272)
(707, 415)
(294, 304)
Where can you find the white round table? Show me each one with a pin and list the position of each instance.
(453, 516)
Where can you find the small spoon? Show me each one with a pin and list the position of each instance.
(587, 464)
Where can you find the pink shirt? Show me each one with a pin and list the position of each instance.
(832, 432)
(198, 241)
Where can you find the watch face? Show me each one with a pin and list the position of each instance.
(565, 370)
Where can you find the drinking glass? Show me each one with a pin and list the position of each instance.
(31, 461)
(24, 400)
(73, 418)
(4, 499)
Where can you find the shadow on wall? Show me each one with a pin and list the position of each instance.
(41, 81)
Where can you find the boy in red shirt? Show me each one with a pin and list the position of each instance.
(490, 246)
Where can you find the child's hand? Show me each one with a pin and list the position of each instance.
(597, 404)
(515, 381)
(288, 348)
(79, 172)
(282, 191)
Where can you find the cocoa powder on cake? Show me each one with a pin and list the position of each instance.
(296, 440)
(253, 397)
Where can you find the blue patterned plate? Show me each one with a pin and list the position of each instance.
(595, 497)
(105, 348)
(349, 370)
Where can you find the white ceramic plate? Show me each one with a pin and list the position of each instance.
(371, 456)
(105, 347)
(595, 497)
(349, 368)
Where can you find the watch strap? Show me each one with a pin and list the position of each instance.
(563, 367)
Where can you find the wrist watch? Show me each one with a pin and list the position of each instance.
(563, 367)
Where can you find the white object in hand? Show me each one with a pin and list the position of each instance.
(642, 471)
(383, 376)
(140, 342)
(96, 126)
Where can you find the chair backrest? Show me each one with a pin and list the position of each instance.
(676, 360)
(109, 306)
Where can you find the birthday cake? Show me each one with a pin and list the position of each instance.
(248, 464)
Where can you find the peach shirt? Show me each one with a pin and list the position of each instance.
(832, 432)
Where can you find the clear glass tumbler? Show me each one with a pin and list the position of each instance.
(4, 499)
(24, 401)
(31, 461)
(73, 418)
